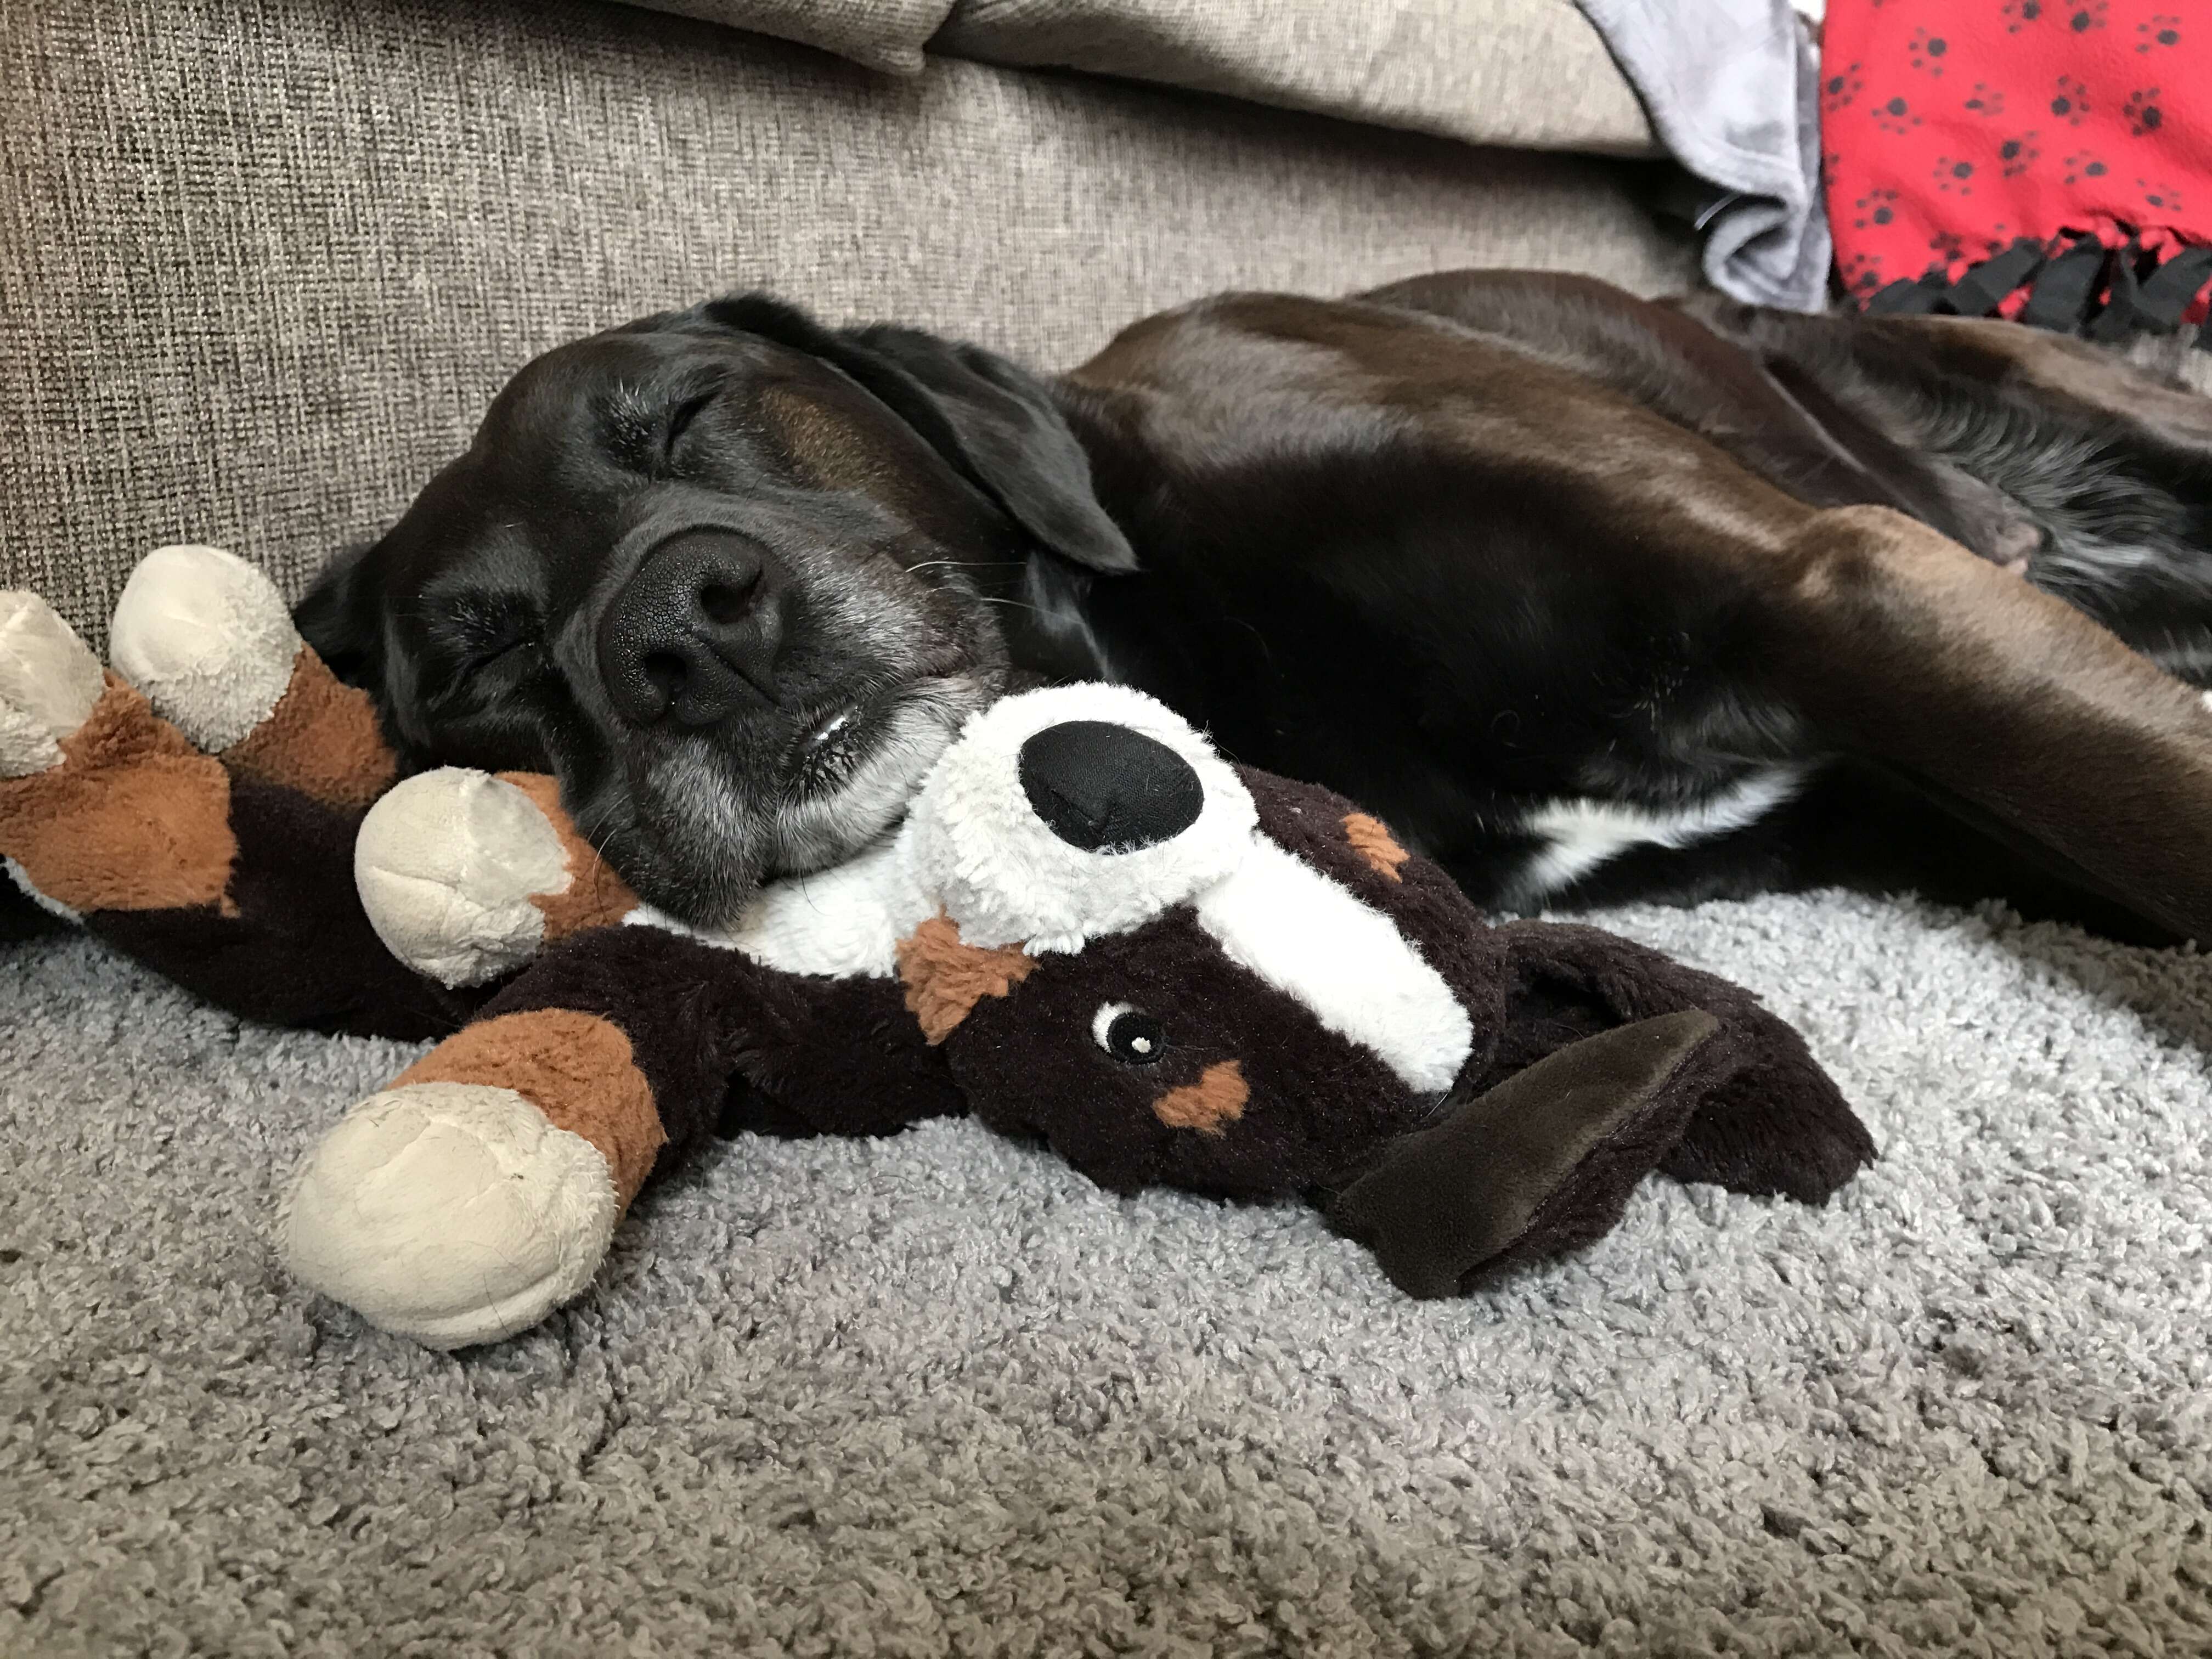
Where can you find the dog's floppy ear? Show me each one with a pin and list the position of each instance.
(991, 420)
(339, 618)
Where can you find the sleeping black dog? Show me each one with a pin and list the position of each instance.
(1591, 598)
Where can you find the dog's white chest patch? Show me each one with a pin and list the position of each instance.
(1582, 834)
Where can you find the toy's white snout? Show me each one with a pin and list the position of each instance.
(1064, 814)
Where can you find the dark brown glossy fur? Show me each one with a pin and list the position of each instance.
(1459, 548)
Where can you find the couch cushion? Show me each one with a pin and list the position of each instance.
(1531, 74)
(884, 34)
(272, 260)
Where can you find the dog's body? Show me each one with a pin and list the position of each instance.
(1590, 598)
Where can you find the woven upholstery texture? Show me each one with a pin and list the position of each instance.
(266, 261)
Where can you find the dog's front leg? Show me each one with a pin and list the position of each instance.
(1896, 643)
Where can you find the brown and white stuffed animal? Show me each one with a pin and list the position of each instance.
(1090, 930)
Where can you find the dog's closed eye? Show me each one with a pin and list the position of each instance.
(480, 622)
(680, 419)
(480, 633)
(498, 655)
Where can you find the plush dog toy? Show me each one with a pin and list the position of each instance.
(1090, 930)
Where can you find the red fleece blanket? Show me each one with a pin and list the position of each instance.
(2049, 160)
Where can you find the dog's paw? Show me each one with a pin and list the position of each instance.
(449, 1212)
(466, 877)
(49, 682)
(208, 639)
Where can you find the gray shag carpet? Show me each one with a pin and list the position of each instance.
(935, 1396)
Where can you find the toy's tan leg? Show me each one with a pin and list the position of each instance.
(103, 805)
(208, 641)
(238, 887)
(122, 799)
(480, 1191)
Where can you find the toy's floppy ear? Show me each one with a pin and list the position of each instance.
(1540, 1164)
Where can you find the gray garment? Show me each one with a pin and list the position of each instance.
(1733, 88)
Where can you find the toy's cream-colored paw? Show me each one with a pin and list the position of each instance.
(448, 864)
(49, 681)
(208, 639)
(465, 876)
(449, 1212)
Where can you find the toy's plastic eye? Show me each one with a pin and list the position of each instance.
(1132, 1038)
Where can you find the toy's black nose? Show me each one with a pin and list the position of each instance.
(1107, 789)
(694, 632)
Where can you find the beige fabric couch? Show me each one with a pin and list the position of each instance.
(264, 261)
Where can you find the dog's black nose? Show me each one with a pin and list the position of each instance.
(1106, 789)
(694, 632)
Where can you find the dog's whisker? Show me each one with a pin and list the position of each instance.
(963, 564)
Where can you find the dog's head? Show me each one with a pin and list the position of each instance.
(736, 578)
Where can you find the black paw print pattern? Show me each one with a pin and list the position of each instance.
(2019, 13)
(1949, 247)
(1953, 176)
(2018, 154)
(2163, 30)
(2165, 198)
(1862, 275)
(1929, 52)
(1895, 115)
(2069, 101)
(1876, 207)
(2081, 18)
(2084, 164)
(1840, 88)
(1987, 99)
(2143, 115)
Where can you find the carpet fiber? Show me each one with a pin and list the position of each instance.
(934, 1395)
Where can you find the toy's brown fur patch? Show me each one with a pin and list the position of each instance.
(322, 739)
(1209, 1105)
(944, 978)
(133, 817)
(1371, 839)
(595, 896)
(578, 1069)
